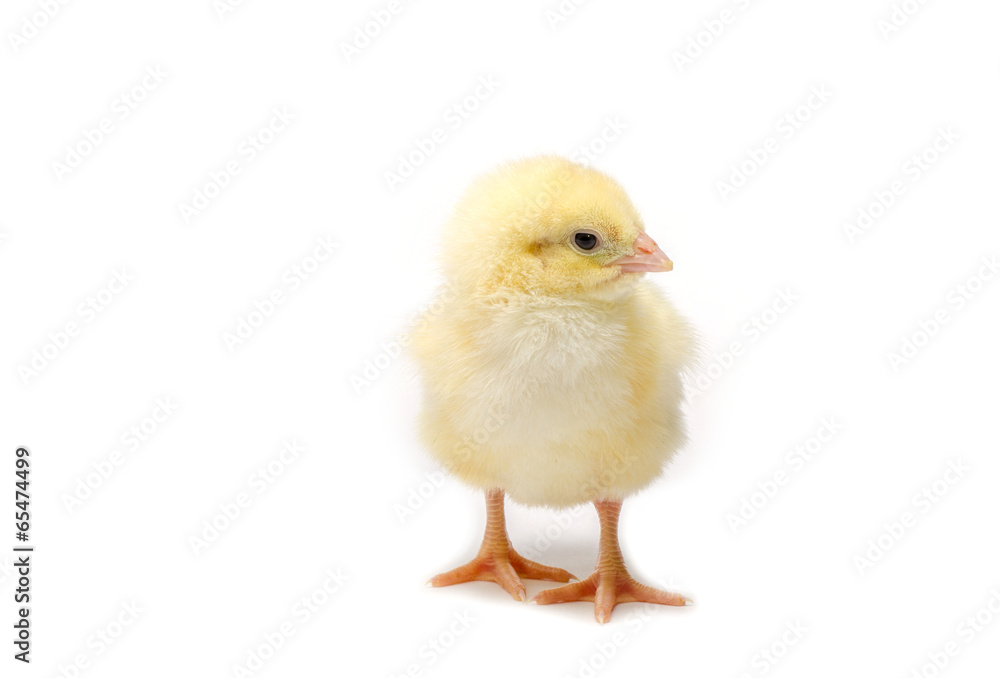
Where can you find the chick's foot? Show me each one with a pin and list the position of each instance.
(606, 589)
(505, 567)
(610, 583)
(497, 561)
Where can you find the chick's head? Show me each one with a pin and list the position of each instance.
(548, 226)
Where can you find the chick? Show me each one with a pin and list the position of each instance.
(553, 374)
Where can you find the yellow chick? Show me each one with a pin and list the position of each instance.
(553, 372)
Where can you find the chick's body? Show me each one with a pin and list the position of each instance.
(551, 368)
(557, 400)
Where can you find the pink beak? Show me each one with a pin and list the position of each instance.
(646, 257)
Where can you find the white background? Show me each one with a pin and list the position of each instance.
(339, 506)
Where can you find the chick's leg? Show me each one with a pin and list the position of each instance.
(497, 561)
(610, 583)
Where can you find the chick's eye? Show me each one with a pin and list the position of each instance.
(585, 240)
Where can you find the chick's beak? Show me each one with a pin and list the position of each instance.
(646, 256)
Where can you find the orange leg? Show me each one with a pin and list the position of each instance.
(610, 583)
(497, 561)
